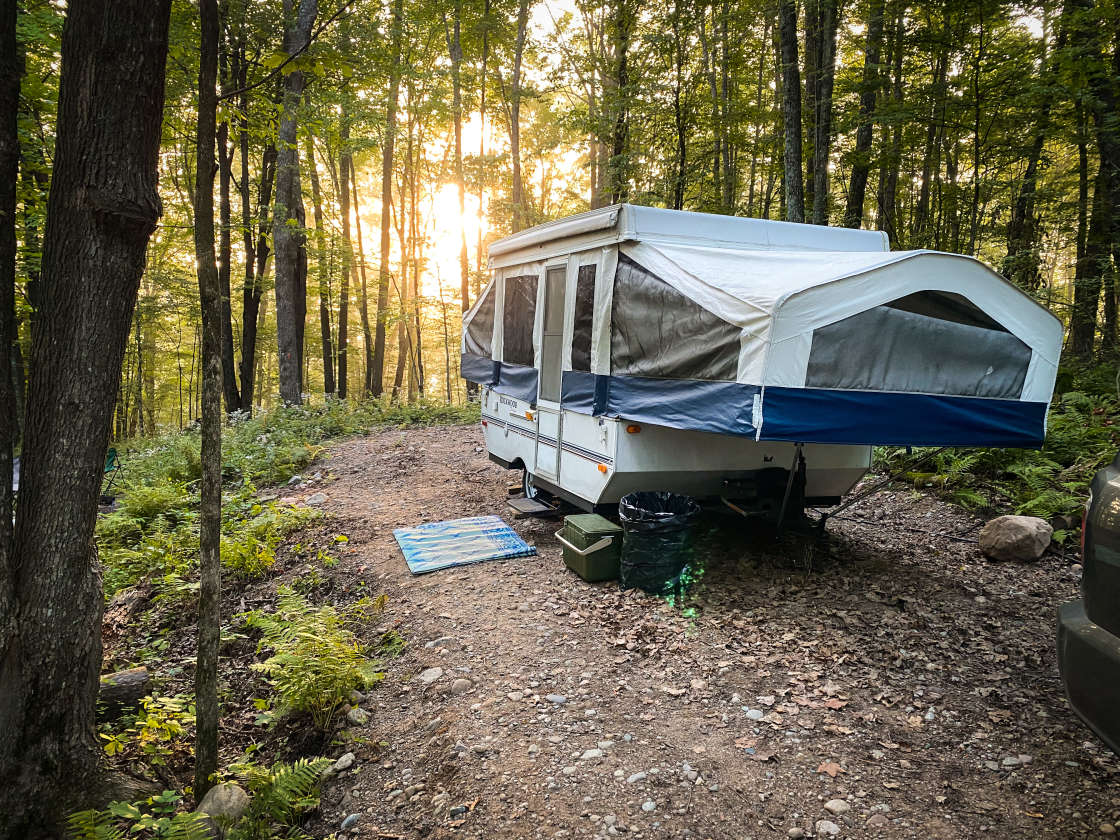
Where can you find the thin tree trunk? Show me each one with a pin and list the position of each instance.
(287, 227)
(102, 209)
(254, 277)
(321, 270)
(484, 61)
(344, 165)
(210, 507)
(869, 88)
(225, 175)
(826, 75)
(520, 216)
(887, 196)
(791, 111)
(455, 51)
(378, 374)
(367, 338)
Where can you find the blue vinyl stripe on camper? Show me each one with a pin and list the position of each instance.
(721, 407)
(517, 381)
(480, 369)
(819, 415)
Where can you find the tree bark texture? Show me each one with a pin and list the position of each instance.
(520, 216)
(791, 112)
(321, 270)
(377, 376)
(210, 506)
(345, 164)
(288, 238)
(869, 89)
(102, 209)
(10, 73)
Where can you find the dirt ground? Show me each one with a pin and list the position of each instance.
(893, 674)
(891, 669)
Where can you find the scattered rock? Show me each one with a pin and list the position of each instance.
(837, 806)
(1022, 538)
(635, 778)
(349, 822)
(558, 699)
(344, 762)
(430, 675)
(357, 716)
(461, 686)
(316, 499)
(1107, 828)
(224, 805)
(877, 821)
(649, 805)
(795, 833)
(827, 828)
(441, 642)
(591, 755)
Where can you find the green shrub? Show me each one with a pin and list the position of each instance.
(280, 794)
(316, 659)
(154, 817)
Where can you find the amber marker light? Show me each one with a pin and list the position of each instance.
(602, 468)
(528, 415)
(633, 429)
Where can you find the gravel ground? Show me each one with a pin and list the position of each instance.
(886, 683)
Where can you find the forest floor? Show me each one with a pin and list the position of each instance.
(889, 682)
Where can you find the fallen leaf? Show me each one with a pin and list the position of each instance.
(831, 768)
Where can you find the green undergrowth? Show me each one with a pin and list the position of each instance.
(1083, 435)
(153, 532)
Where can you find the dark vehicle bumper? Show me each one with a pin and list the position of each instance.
(1089, 660)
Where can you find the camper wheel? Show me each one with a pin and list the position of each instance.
(530, 489)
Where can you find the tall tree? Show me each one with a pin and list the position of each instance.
(869, 89)
(288, 239)
(455, 51)
(377, 376)
(826, 20)
(520, 210)
(102, 209)
(10, 72)
(791, 111)
(322, 273)
(345, 164)
(210, 507)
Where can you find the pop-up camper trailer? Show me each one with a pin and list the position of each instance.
(634, 348)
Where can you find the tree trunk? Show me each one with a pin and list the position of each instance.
(321, 270)
(345, 164)
(367, 336)
(791, 112)
(826, 75)
(210, 506)
(287, 228)
(254, 277)
(10, 72)
(102, 209)
(622, 27)
(887, 194)
(861, 155)
(225, 174)
(455, 51)
(520, 216)
(377, 376)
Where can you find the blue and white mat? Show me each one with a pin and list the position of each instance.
(459, 542)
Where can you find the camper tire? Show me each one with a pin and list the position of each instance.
(530, 489)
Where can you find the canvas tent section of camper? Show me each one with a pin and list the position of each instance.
(764, 330)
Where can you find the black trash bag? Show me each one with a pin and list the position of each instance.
(656, 541)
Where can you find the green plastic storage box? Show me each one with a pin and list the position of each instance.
(592, 546)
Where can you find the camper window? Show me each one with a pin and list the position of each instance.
(517, 320)
(478, 339)
(927, 343)
(584, 318)
(658, 332)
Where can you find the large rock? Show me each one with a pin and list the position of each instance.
(224, 805)
(1015, 538)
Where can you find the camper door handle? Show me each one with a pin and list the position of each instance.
(583, 552)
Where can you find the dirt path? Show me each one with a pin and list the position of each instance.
(894, 671)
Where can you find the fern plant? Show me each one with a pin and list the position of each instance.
(156, 817)
(316, 658)
(280, 795)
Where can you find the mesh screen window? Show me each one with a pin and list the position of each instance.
(517, 320)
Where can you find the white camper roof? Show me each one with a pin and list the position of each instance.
(630, 223)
